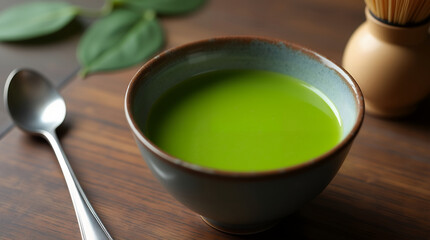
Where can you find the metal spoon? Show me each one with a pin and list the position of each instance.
(37, 108)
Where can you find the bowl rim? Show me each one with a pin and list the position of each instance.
(172, 53)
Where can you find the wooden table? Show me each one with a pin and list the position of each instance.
(382, 190)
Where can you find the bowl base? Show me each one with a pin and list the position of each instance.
(239, 229)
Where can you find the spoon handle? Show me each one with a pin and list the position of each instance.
(89, 223)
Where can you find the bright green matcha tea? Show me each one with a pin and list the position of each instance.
(244, 120)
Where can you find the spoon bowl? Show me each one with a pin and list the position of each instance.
(33, 102)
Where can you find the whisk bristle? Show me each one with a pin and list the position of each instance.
(400, 12)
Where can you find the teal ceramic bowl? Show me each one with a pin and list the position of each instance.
(243, 202)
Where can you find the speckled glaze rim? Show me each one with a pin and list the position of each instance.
(179, 51)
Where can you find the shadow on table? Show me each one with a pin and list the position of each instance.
(61, 131)
(420, 117)
(317, 222)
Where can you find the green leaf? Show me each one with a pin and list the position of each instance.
(34, 19)
(167, 7)
(121, 39)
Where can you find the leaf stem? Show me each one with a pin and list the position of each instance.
(105, 10)
(149, 14)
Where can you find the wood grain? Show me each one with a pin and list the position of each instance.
(381, 192)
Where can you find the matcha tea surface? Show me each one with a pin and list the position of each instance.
(244, 120)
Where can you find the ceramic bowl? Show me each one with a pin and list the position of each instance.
(243, 202)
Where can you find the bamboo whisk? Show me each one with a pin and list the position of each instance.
(400, 12)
